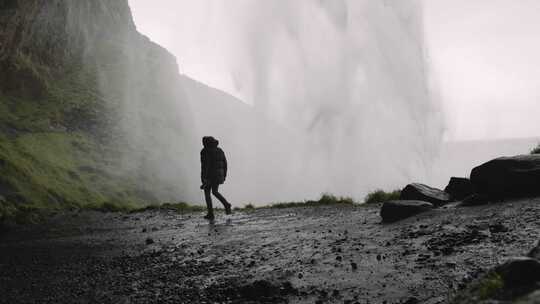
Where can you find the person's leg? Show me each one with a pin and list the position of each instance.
(215, 192)
(208, 198)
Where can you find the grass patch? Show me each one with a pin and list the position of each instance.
(11, 213)
(180, 207)
(19, 214)
(380, 196)
(325, 200)
(489, 286)
(64, 170)
(111, 207)
(536, 150)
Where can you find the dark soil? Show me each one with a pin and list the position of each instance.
(338, 254)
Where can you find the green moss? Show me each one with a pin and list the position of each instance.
(380, 196)
(59, 170)
(19, 214)
(180, 207)
(325, 200)
(489, 286)
(111, 207)
(7, 211)
(249, 207)
(54, 128)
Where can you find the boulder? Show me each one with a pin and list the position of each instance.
(392, 211)
(421, 192)
(532, 298)
(459, 188)
(507, 177)
(520, 271)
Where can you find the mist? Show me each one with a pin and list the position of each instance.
(335, 99)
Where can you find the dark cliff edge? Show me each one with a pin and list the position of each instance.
(70, 69)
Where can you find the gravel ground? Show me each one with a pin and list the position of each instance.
(334, 254)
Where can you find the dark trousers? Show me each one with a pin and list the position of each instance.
(214, 189)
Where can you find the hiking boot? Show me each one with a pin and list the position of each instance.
(228, 209)
(209, 217)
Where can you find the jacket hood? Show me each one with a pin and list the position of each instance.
(210, 142)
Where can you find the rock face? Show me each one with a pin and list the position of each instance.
(459, 188)
(81, 83)
(396, 210)
(425, 193)
(40, 37)
(508, 177)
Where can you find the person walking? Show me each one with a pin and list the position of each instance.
(213, 174)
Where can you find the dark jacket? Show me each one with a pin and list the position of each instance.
(213, 162)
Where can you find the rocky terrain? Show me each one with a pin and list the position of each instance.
(296, 255)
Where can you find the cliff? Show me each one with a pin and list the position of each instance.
(82, 95)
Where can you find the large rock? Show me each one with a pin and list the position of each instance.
(459, 188)
(392, 211)
(532, 298)
(521, 271)
(421, 192)
(507, 177)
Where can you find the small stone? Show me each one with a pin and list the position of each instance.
(497, 228)
(149, 241)
(447, 250)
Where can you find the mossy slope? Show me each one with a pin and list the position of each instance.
(65, 66)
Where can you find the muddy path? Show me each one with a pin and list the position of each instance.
(296, 255)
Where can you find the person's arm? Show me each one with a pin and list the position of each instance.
(224, 163)
(204, 167)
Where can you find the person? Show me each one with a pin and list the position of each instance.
(213, 174)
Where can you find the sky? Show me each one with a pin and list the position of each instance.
(484, 54)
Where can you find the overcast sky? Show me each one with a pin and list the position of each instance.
(485, 55)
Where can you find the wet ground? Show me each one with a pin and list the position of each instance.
(297, 255)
